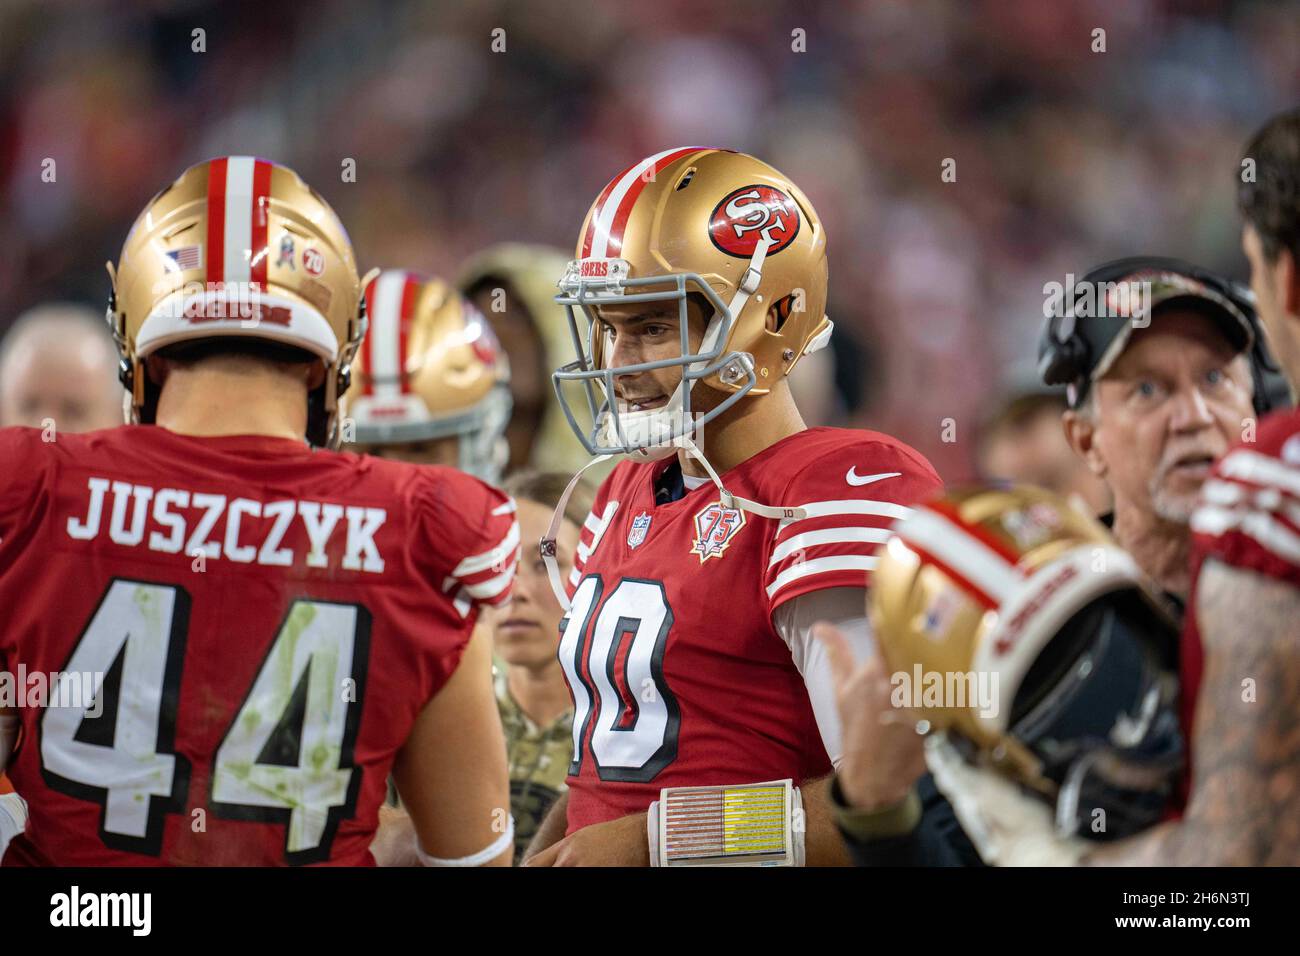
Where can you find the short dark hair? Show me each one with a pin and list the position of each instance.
(186, 353)
(1271, 201)
(546, 488)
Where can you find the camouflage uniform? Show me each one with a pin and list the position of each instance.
(539, 762)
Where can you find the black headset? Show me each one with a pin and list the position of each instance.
(1065, 354)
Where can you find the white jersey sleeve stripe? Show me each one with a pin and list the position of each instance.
(493, 558)
(849, 506)
(1260, 469)
(492, 588)
(1260, 526)
(811, 539)
(842, 562)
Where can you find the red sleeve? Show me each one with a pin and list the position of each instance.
(474, 537)
(23, 463)
(852, 494)
(1249, 512)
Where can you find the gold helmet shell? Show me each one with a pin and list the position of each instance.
(713, 222)
(238, 247)
(972, 587)
(430, 368)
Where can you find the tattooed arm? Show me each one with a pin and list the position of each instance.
(1245, 801)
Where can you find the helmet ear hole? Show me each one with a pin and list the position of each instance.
(779, 313)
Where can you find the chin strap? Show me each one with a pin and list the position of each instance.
(726, 498)
(729, 500)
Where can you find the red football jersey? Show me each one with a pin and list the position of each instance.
(677, 674)
(240, 631)
(1248, 517)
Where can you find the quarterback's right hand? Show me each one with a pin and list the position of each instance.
(883, 754)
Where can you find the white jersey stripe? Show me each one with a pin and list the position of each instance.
(1261, 469)
(492, 558)
(604, 220)
(838, 562)
(1260, 526)
(386, 335)
(239, 218)
(810, 539)
(492, 588)
(967, 555)
(848, 506)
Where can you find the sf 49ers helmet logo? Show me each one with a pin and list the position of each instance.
(750, 213)
(715, 526)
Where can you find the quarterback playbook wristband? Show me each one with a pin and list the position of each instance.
(753, 824)
(497, 847)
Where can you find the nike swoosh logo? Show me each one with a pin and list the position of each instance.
(852, 477)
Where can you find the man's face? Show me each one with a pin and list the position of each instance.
(69, 380)
(647, 332)
(436, 451)
(1269, 281)
(1173, 402)
(526, 629)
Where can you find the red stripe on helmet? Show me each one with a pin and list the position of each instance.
(260, 215)
(216, 251)
(619, 224)
(590, 235)
(966, 584)
(367, 382)
(979, 532)
(410, 289)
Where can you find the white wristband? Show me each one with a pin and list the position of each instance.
(499, 846)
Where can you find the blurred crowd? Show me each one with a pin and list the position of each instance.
(464, 136)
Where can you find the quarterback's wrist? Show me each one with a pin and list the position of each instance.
(876, 820)
(756, 824)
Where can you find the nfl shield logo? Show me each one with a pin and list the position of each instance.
(715, 526)
(640, 525)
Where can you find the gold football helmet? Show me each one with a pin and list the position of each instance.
(430, 368)
(238, 247)
(1011, 589)
(717, 223)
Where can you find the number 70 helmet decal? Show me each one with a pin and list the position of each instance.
(711, 222)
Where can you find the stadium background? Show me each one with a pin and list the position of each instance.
(1064, 157)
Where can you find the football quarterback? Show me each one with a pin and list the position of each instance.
(430, 384)
(244, 634)
(699, 282)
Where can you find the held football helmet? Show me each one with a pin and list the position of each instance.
(716, 223)
(1011, 592)
(430, 368)
(238, 247)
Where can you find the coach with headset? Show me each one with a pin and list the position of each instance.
(1165, 369)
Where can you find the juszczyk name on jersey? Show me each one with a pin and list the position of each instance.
(75, 908)
(173, 520)
(937, 690)
(74, 689)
